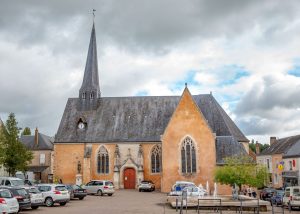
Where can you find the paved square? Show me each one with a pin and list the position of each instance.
(123, 201)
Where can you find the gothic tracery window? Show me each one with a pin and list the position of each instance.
(156, 159)
(188, 156)
(102, 161)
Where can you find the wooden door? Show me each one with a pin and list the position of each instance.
(129, 178)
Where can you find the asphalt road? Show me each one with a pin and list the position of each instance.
(123, 201)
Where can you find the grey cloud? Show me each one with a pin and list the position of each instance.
(138, 25)
(268, 94)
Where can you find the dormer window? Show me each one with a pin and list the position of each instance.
(83, 95)
(92, 95)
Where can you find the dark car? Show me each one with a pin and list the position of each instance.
(277, 197)
(267, 193)
(76, 191)
(21, 195)
(146, 186)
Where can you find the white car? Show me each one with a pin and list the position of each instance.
(195, 191)
(178, 187)
(100, 187)
(36, 197)
(291, 196)
(11, 181)
(8, 204)
(54, 193)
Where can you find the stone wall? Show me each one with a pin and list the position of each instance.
(188, 121)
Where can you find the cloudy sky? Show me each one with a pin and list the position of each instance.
(246, 52)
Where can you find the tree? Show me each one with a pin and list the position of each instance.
(26, 131)
(241, 170)
(15, 156)
(262, 147)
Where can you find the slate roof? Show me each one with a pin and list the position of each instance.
(137, 119)
(281, 146)
(228, 146)
(44, 142)
(293, 151)
(91, 78)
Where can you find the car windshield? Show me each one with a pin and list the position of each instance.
(17, 182)
(180, 187)
(145, 182)
(5, 194)
(280, 193)
(33, 190)
(296, 192)
(76, 187)
(108, 183)
(60, 188)
(21, 192)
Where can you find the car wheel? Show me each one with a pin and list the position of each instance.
(34, 207)
(81, 198)
(99, 192)
(109, 194)
(49, 202)
(62, 203)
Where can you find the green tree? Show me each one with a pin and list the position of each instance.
(16, 157)
(26, 131)
(241, 170)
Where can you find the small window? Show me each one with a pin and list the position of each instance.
(291, 165)
(42, 159)
(7, 183)
(268, 163)
(83, 95)
(92, 95)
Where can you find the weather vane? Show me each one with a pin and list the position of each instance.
(94, 13)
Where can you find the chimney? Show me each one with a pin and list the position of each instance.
(272, 140)
(257, 148)
(36, 137)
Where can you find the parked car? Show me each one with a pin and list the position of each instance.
(146, 186)
(100, 187)
(178, 187)
(267, 193)
(76, 191)
(36, 197)
(11, 181)
(195, 191)
(291, 197)
(277, 197)
(8, 204)
(54, 193)
(21, 195)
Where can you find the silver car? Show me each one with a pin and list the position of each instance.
(100, 187)
(54, 193)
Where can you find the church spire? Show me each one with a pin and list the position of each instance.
(90, 89)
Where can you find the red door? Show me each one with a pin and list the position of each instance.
(129, 178)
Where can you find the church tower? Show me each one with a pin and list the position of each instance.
(89, 93)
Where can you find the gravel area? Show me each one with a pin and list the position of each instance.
(124, 201)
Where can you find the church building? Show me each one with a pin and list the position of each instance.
(129, 139)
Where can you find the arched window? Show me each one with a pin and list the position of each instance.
(83, 95)
(103, 161)
(92, 95)
(156, 159)
(188, 156)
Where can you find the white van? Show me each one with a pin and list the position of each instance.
(291, 196)
(11, 181)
